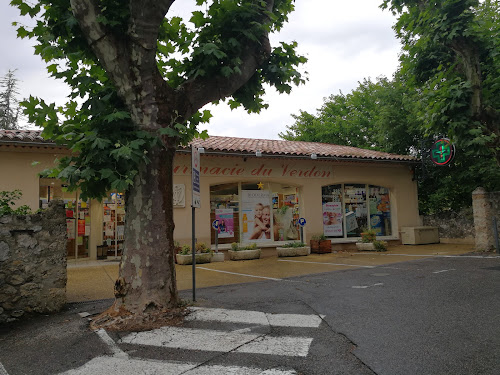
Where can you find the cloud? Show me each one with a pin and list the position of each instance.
(345, 41)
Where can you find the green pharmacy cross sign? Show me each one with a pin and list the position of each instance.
(442, 152)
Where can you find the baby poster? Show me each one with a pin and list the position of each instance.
(226, 222)
(332, 219)
(256, 211)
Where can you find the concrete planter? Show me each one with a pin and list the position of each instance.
(188, 259)
(365, 246)
(244, 254)
(293, 251)
(218, 257)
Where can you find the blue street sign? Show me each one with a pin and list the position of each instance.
(215, 224)
(302, 221)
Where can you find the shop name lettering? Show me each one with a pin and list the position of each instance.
(261, 171)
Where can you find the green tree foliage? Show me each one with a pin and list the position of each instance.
(451, 53)
(9, 105)
(375, 115)
(386, 115)
(212, 50)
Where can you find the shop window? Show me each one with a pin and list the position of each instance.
(224, 206)
(255, 212)
(380, 210)
(113, 226)
(348, 209)
(77, 215)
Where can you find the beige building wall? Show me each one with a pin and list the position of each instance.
(307, 175)
(18, 172)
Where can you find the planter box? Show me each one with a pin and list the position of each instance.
(244, 254)
(293, 251)
(218, 257)
(188, 259)
(321, 247)
(365, 246)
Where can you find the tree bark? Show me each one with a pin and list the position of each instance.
(147, 262)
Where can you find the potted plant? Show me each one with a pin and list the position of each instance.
(320, 244)
(238, 252)
(293, 249)
(203, 254)
(369, 242)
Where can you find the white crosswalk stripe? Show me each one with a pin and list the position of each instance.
(254, 317)
(120, 366)
(244, 340)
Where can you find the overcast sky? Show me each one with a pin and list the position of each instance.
(345, 41)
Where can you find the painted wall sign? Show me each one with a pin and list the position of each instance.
(261, 170)
(442, 152)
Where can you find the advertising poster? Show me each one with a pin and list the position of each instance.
(81, 227)
(70, 229)
(332, 219)
(256, 210)
(226, 222)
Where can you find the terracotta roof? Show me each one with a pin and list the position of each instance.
(218, 144)
(293, 148)
(22, 136)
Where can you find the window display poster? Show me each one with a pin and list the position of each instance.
(109, 229)
(351, 222)
(256, 211)
(226, 222)
(70, 229)
(81, 227)
(332, 219)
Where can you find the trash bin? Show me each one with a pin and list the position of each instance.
(102, 252)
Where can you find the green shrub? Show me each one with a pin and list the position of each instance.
(380, 245)
(294, 244)
(236, 247)
(7, 199)
(185, 250)
(202, 248)
(318, 237)
(368, 236)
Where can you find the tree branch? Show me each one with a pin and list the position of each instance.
(203, 90)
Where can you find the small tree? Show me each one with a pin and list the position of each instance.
(9, 105)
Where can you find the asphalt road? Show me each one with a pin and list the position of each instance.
(430, 316)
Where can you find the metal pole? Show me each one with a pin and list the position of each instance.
(216, 240)
(193, 253)
(302, 234)
(495, 233)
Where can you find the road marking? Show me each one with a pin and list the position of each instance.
(436, 255)
(3, 371)
(117, 352)
(120, 366)
(330, 264)
(254, 317)
(452, 269)
(241, 274)
(366, 286)
(220, 341)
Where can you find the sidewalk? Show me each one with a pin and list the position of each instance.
(94, 280)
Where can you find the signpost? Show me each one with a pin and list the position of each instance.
(302, 222)
(215, 225)
(195, 203)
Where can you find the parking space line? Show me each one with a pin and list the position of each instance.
(452, 269)
(436, 255)
(330, 264)
(240, 274)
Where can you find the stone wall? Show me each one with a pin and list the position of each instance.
(486, 206)
(33, 263)
(453, 226)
